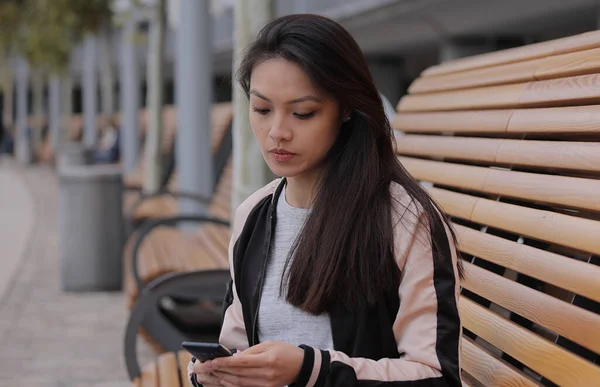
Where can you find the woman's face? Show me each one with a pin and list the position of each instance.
(294, 123)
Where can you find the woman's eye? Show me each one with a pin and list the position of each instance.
(262, 111)
(304, 116)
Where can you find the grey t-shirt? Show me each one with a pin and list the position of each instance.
(277, 319)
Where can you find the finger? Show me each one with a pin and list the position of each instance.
(240, 381)
(258, 348)
(208, 379)
(242, 361)
(202, 368)
(249, 372)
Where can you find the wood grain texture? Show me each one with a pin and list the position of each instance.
(542, 356)
(570, 64)
(463, 148)
(494, 97)
(579, 90)
(489, 76)
(565, 191)
(581, 42)
(568, 320)
(488, 121)
(568, 273)
(570, 231)
(551, 67)
(184, 358)
(489, 370)
(557, 155)
(168, 370)
(557, 120)
(567, 120)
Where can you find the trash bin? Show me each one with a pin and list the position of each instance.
(91, 228)
(24, 151)
(74, 153)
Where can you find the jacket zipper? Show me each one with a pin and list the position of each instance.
(263, 270)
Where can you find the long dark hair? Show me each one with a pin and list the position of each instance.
(345, 253)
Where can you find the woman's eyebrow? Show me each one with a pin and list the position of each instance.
(293, 101)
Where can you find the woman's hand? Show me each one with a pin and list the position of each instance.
(269, 364)
(204, 377)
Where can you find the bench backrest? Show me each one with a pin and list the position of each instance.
(508, 143)
(221, 117)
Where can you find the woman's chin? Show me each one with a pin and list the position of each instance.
(283, 171)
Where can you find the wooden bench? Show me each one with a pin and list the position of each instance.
(508, 143)
(159, 249)
(139, 208)
(45, 152)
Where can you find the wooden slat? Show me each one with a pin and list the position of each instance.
(495, 97)
(568, 65)
(494, 121)
(184, 358)
(489, 76)
(568, 320)
(565, 45)
(561, 190)
(559, 66)
(489, 370)
(579, 90)
(557, 120)
(168, 370)
(542, 356)
(463, 148)
(567, 273)
(567, 120)
(570, 231)
(149, 377)
(559, 155)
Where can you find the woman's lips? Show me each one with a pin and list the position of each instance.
(282, 155)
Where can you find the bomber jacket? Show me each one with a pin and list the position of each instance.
(411, 337)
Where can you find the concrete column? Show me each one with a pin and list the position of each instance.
(54, 111)
(130, 97)
(90, 92)
(250, 172)
(194, 98)
(67, 105)
(23, 145)
(107, 77)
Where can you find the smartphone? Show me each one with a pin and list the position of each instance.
(206, 351)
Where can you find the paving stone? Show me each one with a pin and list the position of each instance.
(48, 337)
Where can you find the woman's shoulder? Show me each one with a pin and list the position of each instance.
(244, 209)
(406, 210)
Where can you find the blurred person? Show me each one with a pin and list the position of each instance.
(109, 150)
(344, 271)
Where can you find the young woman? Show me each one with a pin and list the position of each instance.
(344, 271)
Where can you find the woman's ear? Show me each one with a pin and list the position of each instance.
(346, 115)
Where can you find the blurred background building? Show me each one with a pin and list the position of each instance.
(399, 37)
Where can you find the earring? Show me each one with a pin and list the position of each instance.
(347, 119)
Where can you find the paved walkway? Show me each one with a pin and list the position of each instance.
(48, 337)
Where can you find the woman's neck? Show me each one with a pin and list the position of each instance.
(300, 190)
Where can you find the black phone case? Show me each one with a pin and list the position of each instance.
(205, 351)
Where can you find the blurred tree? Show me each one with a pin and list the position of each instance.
(49, 30)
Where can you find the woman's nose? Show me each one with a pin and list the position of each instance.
(278, 131)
